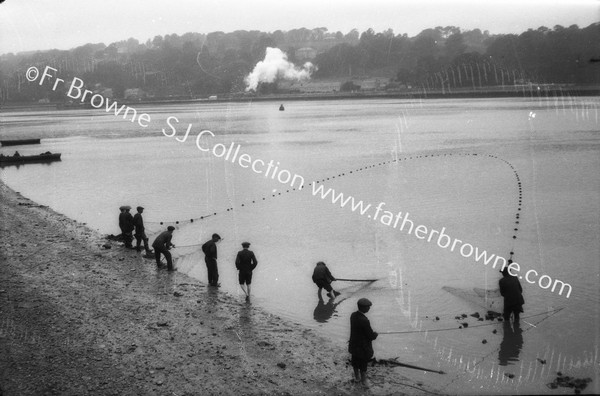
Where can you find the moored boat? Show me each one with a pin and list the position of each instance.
(19, 142)
(6, 160)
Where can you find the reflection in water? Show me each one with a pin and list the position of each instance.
(245, 330)
(512, 343)
(323, 312)
(163, 281)
(245, 317)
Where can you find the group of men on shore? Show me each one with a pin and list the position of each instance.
(245, 261)
(129, 223)
(361, 334)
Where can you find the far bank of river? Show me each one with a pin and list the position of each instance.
(516, 91)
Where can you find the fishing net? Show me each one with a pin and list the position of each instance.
(488, 299)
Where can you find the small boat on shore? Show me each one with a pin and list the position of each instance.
(6, 160)
(19, 142)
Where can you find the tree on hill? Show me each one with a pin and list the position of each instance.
(197, 65)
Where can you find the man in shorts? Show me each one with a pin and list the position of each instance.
(245, 262)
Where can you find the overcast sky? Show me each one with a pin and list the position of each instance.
(44, 24)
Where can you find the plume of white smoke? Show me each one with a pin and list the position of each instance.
(276, 66)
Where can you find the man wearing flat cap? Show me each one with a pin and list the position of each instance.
(210, 258)
(140, 231)
(162, 244)
(245, 262)
(361, 337)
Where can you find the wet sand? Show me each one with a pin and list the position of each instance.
(77, 318)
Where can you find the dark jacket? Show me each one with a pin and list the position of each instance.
(245, 261)
(122, 221)
(361, 336)
(210, 250)
(163, 240)
(126, 222)
(138, 222)
(511, 290)
(321, 273)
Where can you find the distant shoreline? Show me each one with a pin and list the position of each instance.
(533, 91)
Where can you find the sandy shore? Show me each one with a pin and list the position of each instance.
(79, 319)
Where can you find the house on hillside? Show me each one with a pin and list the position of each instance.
(305, 54)
(134, 94)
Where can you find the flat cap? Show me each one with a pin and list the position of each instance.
(364, 302)
(245, 244)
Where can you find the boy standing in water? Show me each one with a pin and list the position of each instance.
(323, 278)
(360, 344)
(245, 262)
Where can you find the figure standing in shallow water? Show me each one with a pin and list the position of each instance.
(210, 258)
(245, 262)
(323, 278)
(511, 290)
(360, 345)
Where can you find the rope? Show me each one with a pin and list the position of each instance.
(362, 169)
(356, 280)
(365, 168)
(469, 327)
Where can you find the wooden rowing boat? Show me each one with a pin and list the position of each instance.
(27, 159)
(19, 142)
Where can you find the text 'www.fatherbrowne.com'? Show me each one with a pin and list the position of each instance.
(401, 221)
(270, 169)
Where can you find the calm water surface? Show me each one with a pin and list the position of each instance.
(552, 145)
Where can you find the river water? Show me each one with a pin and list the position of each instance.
(503, 175)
